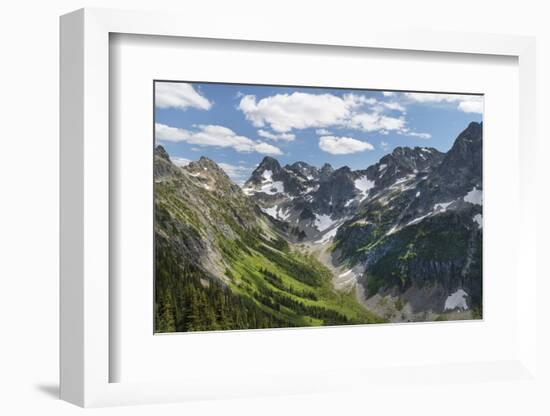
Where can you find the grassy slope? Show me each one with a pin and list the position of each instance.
(269, 285)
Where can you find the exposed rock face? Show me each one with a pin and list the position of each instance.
(424, 235)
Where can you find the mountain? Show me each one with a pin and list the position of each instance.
(299, 245)
(318, 201)
(221, 264)
(419, 243)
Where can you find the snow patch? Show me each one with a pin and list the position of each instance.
(442, 207)
(475, 196)
(346, 273)
(272, 212)
(267, 175)
(382, 167)
(403, 179)
(277, 213)
(273, 188)
(392, 230)
(328, 236)
(417, 220)
(348, 203)
(457, 300)
(323, 222)
(364, 185)
(479, 219)
(418, 194)
(283, 215)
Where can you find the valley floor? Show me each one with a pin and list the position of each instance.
(390, 308)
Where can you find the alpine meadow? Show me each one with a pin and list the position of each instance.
(278, 207)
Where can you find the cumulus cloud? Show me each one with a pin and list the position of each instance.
(213, 135)
(471, 106)
(287, 137)
(343, 145)
(323, 132)
(384, 145)
(416, 134)
(394, 105)
(285, 112)
(179, 95)
(376, 121)
(465, 103)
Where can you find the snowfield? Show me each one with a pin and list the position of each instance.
(479, 219)
(273, 188)
(323, 222)
(272, 212)
(442, 207)
(328, 236)
(277, 213)
(475, 196)
(363, 185)
(457, 300)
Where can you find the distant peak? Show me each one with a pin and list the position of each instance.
(204, 163)
(300, 164)
(269, 162)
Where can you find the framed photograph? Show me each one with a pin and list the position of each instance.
(276, 214)
(342, 210)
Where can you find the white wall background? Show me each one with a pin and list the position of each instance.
(29, 205)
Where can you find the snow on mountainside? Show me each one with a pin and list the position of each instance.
(377, 218)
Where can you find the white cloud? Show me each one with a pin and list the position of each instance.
(471, 106)
(384, 145)
(213, 135)
(376, 121)
(419, 135)
(424, 97)
(287, 137)
(170, 134)
(394, 105)
(179, 95)
(354, 100)
(465, 103)
(284, 112)
(343, 145)
(323, 132)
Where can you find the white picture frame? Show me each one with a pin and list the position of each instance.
(85, 219)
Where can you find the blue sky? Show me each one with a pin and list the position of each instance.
(237, 125)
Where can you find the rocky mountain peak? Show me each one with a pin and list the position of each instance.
(206, 168)
(162, 153)
(206, 163)
(303, 169)
(270, 163)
